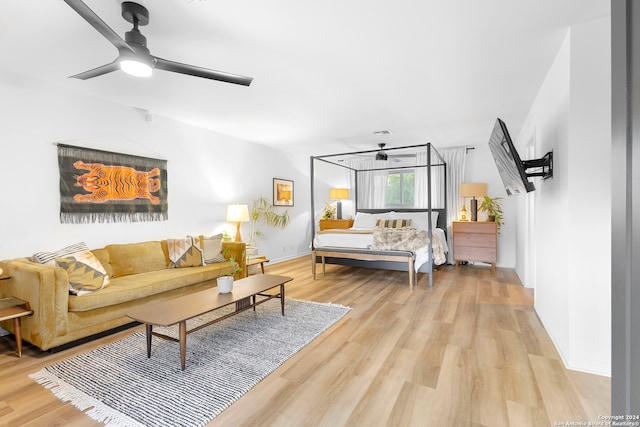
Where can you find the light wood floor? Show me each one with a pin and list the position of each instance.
(469, 352)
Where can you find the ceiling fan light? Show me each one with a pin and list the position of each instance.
(381, 155)
(136, 67)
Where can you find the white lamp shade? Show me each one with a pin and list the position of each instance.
(339, 193)
(237, 213)
(473, 189)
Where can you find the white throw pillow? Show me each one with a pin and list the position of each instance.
(212, 249)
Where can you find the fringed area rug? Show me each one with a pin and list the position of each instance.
(117, 384)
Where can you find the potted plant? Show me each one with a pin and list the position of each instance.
(225, 282)
(262, 210)
(329, 211)
(493, 207)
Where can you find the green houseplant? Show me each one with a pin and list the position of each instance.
(493, 207)
(262, 211)
(225, 281)
(329, 211)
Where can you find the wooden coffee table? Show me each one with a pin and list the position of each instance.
(180, 309)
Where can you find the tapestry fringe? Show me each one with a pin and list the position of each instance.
(88, 218)
(93, 408)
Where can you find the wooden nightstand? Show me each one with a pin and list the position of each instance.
(326, 224)
(475, 241)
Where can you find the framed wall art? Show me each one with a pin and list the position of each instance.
(101, 186)
(282, 192)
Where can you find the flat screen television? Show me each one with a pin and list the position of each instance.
(511, 168)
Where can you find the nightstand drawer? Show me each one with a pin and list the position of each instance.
(475, 254)
(477, 239)
(475, 227)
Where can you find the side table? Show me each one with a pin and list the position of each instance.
(256, 259)
(14, 308)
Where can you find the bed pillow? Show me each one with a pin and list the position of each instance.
(364, 220)
(393, 223)
(419, 220)
(85, 273)
(368, 220)
(49, 258)
(185, 252)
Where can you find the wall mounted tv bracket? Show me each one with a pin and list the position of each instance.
(544, 166)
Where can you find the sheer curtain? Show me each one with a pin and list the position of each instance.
(372, 184)
(421, 182)
(456, 160)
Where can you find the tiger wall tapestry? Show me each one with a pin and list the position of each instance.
(101, 186)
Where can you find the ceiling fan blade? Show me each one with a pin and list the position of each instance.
(103, 69)
(177, 67)
(97, 23)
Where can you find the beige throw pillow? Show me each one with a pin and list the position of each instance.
(212, 249)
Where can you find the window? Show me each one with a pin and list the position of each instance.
(400, 188)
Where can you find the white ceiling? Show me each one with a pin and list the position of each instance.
(327, 74)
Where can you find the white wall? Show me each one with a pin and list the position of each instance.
(571, 116)
(206, 172)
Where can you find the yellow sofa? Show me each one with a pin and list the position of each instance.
(139, 274)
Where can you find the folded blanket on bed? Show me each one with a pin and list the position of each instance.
(404, 239)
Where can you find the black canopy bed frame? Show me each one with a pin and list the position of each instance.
(383, 259)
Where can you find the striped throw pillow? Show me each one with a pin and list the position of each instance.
(49, 258)
(393, 223)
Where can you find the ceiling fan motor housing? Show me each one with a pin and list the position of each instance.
(381, 155)
(135, 37)
(135, 13)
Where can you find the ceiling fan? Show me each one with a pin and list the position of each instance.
(133, 56)
(381, 155)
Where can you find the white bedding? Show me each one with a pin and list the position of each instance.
(360, 238)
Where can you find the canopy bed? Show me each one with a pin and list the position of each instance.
(394, 231)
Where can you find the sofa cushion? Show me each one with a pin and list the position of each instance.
(185, 252)
(134, 258)
(133, 287)
(84, 271)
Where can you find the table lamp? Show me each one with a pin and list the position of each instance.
(473, 190)
(339, 194)
(238, 214)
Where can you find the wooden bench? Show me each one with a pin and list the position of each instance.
(364, 255)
